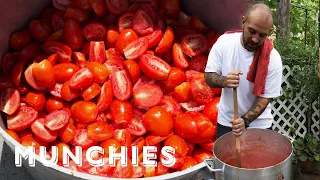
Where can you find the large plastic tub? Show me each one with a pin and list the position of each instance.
(221, 15)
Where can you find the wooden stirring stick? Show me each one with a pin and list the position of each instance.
(236, 116)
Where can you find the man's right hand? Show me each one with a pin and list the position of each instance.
(232, 79)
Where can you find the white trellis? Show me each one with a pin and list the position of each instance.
(290, 113)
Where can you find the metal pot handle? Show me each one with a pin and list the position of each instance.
(291, 139)
(210, 165)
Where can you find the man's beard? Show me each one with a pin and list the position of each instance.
(246, 43)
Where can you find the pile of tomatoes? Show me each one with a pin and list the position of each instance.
(112, 73)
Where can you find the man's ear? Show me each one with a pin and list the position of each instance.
(243, 21)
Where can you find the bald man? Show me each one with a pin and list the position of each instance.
(227, 67)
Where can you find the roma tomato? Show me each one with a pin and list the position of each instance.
(84, 112)
(154, 38)
(123, 137)
(182, 92)
(38, 30)
(10, 101)
(29, 52)
(188, 163)
(14, 135)
(99, 131)
(99, 7)
(133, 69)
(117, 7)
(91, 92)
(17, 71)
(178, 144)
(211, 110)
(125, 37)
(206, 130)
(185, 126)
(201, 154)
(170, 105)
(81, 139)
(81, 15)
(175, 78)
(121, 111)
(67, 133)
(110, 142)
(19, 39)
(43, 74)
(57, 21)
(154, 67)
(68, 93)
(111, 37)
(8, 61)
(53, 104)
(99, 71)
(64, 71)
(72, 34)
(36, 100)
(121, 85)
(158, 117)
(180, 59)
(171, 8)
(56, 90)
(28, 74)
(198, 63)
(142, 23)
(95, 31)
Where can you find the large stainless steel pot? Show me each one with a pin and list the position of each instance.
(271, 151)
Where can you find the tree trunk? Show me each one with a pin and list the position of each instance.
(283, 19)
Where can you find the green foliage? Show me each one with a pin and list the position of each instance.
(307, 148)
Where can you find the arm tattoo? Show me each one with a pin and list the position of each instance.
(214, 80)
(257, 108)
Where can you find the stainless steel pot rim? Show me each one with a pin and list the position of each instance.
(249, 169)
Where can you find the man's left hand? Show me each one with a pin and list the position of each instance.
(238, 126)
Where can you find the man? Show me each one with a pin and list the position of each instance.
(228, 65)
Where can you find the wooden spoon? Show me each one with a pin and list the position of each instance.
(236, 116)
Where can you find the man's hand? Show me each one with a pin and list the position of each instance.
(233, 78)
(238, 126)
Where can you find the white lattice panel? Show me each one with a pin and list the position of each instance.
(291, 113)
(315, 126)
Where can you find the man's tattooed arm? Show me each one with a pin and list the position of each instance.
(257, 108)
(214, 80)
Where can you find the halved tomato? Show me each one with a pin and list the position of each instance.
(57, 119)
(208, 145)
(53, 104)
(154, 67)
(95, 31)
(81, 139)
(198, 25)
(125, 21)
(136, 48)
(54, 47)
(106, 96)
(14, 135)
(185, 126)
(79, 58)
(198, 63)
(99, 7)
(154, 38)
(180, 60)
(121, 171)
(8, 61)
(81, 79)
(201, 92)
(142, 23)
(171, 8)
(81, 4)
(170, 105)
(147, 95)
(67, 133)
(39, 31)
(125, 37)
(17, 71)
(182, 92)
(192, 106)
(166, 41)
(123, 137)
(43, 74)
(153, 139)
(61, 4)
(211, 110)
(97, 52)
(110, 142)
(200, 154)
(23, 117)
(29, 78)
(175, 78)
(68, 93)
(57, 20)
(10, 100)
(42, 132)
(91, 92)
(121, 85)
(36, 100)
(29, 52)
(206, 130)
(194, 44)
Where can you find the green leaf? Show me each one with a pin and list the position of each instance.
(303, 158)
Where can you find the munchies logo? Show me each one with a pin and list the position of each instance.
(149, 156)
